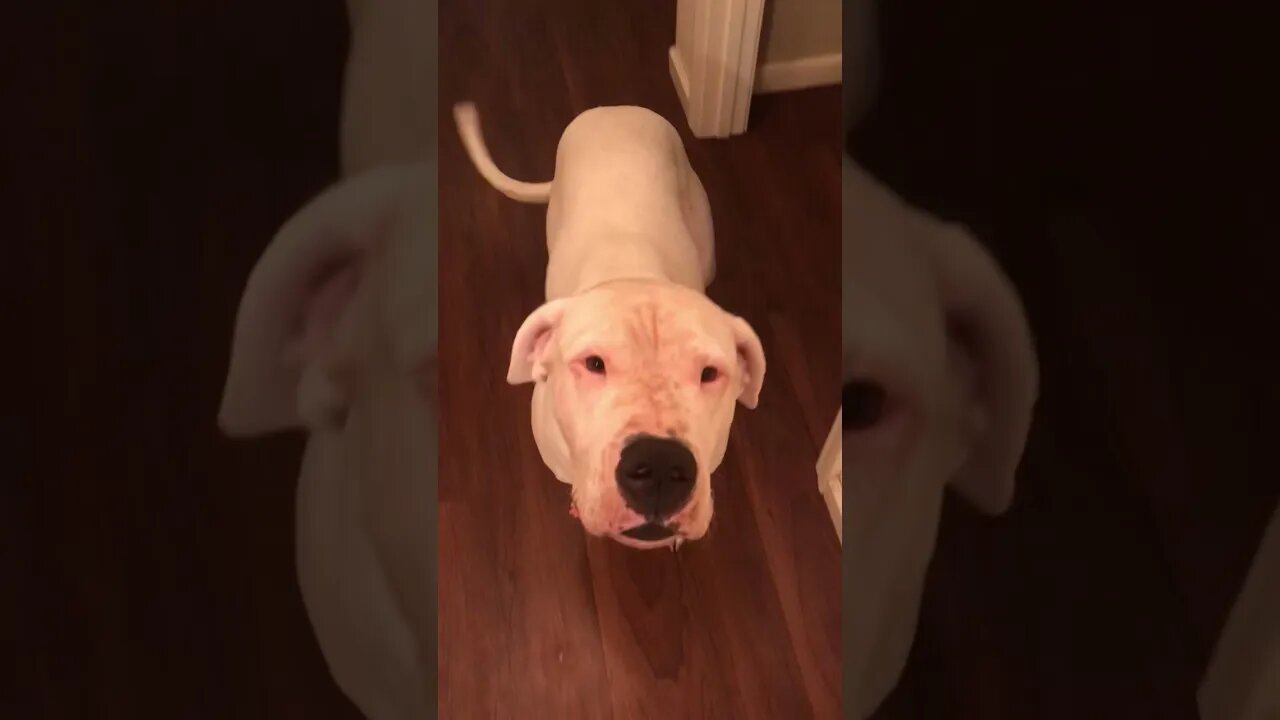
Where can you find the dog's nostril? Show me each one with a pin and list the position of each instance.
(862, 404)
(640, 472)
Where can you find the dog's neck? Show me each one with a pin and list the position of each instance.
(618, 258)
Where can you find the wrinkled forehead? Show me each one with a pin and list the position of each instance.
(646, 318)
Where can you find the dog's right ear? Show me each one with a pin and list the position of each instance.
(528, 352)
(296, 320)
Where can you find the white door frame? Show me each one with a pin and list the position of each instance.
(713, 63)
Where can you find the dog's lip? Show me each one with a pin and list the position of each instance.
(649, 532)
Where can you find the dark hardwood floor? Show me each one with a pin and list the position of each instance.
(536, 619)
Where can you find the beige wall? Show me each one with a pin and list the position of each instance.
(795, 29)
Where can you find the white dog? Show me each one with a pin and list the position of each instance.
(636, 370)
(336, 334)
(940, 382)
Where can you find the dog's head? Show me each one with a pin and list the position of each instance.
(637, 383)
(346, 287)
(940, 379)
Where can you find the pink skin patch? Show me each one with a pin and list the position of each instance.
(326, 306)
(573, 509)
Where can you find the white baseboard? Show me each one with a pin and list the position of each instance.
(799, 74)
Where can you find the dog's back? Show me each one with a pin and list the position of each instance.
(611, 147)
(618, 172)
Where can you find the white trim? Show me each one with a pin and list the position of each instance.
(748, 52)
(1242, 681)
(713, 63)
(799, 74)
(680, 77)
(831, 475)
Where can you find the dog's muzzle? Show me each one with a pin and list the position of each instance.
(655, 477)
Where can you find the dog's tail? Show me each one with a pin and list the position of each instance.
(468, 120)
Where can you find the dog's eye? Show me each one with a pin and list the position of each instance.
(709, 374)
(861, 404)
(595, 364)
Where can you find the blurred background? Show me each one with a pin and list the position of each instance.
(1103, 154)
(153, 149)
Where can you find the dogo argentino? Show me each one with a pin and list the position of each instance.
(940, 380)
(940, 385)
(336, 334)
(636, 371)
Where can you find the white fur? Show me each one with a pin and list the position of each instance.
(929, 315)
(629, 240)
(959, 411)
(360, 378)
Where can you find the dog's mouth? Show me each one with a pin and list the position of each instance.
(649, 532)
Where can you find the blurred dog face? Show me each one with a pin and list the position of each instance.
(336, 334)
(899, 405)
(940, 379)
(637, 383)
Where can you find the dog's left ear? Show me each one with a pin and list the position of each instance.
(995, 355)
(750, 359)
(295, 324)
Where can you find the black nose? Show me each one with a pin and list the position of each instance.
(656, 476)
